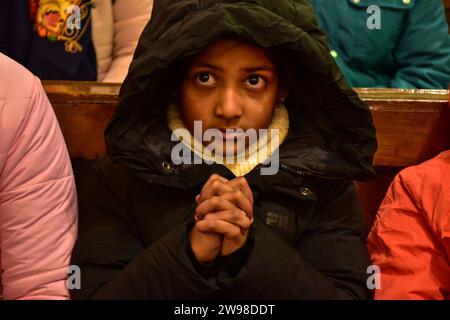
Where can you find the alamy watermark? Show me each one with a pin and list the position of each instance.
(74, 17)
(227, 146)
(73, 277)
(374, 21)
(374, 280)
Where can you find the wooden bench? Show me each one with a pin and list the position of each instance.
(412, 126)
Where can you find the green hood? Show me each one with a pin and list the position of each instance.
(331, 133)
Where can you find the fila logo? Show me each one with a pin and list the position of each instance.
(279, 220)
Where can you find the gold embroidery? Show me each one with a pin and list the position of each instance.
(52, 22)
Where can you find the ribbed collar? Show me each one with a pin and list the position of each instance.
(257, 154)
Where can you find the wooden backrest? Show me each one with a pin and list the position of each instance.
(83, 110)
(412, 126)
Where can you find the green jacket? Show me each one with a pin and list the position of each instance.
(411, 50)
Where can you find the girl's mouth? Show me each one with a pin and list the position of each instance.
(232, 134)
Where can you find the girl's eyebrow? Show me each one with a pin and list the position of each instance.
(260, 68)
(207, 65)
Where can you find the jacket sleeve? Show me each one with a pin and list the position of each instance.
(402, 245)
(38, 207)
(423, 52)
(115, 263)
(329, 262)
(130, 18)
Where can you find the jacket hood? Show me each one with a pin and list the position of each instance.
(331, 132)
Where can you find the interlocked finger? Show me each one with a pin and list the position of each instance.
(236, 217)
(213, 204)
(228, 230)
(216, 187)
(242, 184)
(212, 178)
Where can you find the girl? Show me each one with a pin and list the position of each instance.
(155, 227)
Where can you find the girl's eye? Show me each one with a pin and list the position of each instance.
(205, 79)
(255, 82)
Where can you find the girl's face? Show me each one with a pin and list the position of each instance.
(230, 85)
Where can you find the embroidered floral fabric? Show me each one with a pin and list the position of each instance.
(61, 20)
(51, 38)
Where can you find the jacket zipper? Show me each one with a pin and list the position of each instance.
(304, 173)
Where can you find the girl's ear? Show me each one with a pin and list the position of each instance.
(282, 95)
(286, 78)
(175, 96)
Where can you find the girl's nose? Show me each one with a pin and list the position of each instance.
(229, 104)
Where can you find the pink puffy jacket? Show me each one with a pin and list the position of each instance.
(116, 29)
(38, 207)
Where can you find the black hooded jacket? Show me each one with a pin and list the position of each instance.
(308, 238)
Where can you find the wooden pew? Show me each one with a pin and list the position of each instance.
(412, 126)
(83, 110)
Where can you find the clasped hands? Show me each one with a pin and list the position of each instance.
(224, 215)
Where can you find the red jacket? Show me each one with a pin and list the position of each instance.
(410, 240)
